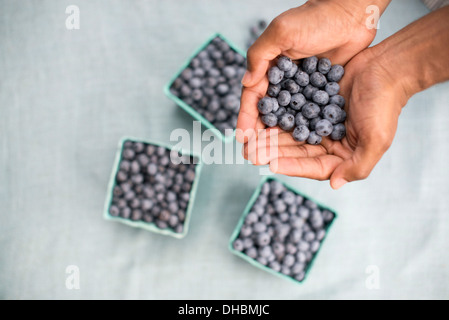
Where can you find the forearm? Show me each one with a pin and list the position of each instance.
(418, 55)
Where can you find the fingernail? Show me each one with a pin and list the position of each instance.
(340, 182)
(246, 77)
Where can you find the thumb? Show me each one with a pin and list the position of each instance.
(259, 57)
(357, 167)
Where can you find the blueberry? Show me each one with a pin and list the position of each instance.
(314, 246)
(291, 73)
(286, 121)
(146, 204)
(251, 252)
(130, 195)
(320, 234)
(161, 224)
(291, 86)
(281, 231)
(266, 219)
(316, 220)
(309, 64)
(265, 251)
(125, 213)
(238, 245)
(299, 199)
(125, 165)
(292, 111)
(284, 98)
(332, 88)
(314, 138)
(262, 260)
(246, 230)
(303, 246)
(336, 73)
(186, 74)
(276, 187)
(280, 111)
(338, 100)
(147, 217)
(136, 215)
(302, 78)
(275, 104)
(284, 216)
(137, 178)
(278, 248)
(273, 90)
(251, 218)
(280, 206)
(301, 257)
(222, 115)
(332, 113)
(297, 101)
(275, 266)
(324, 128)
(301, 120)
(288, 260)
(298, 267)
(296, 222)
(270, 120)
(121, 203)
(185, 91)
(288, 197)
(318, 80)
(290, 248)
(301, 132)
(222, 89)
(117, 191)
(310, 110)
(308, 91)
(295, 235)
(300, 276)
(181, 215)
(284, 63)
(247, 242)
(179, 228)
(265, 105)
(342, 116)
(164, 215)
(128, 154)
(324, 65)
(134, 203)
(275, 75)
(321, 97)
(286, 270)
(260, 227)
(114, 211)
(229, 72)
(328, 216)
(265, 189)
(309, 236)
(313, 122)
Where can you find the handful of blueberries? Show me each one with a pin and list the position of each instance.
(211, 84)
(303, 98)
(283, 230)
(149, 187)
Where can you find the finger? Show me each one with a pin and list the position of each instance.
(264, 49)
(265, 155)
(318, 168)
(357, 167)
(247, 120)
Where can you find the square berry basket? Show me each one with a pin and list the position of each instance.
(218, 110)
(281, 230)
(141, 204)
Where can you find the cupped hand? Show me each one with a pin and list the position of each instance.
(328, 28)
(374, 102)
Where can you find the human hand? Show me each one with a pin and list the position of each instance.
(378, 82)
(374, 102)
(334, 29)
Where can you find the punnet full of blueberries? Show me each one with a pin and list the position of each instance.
(211, 84)
(283, 230)
(303, 98)
(150, 187)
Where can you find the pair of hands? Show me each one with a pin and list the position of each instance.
(374, 99)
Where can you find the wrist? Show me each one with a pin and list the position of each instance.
(416, 56)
